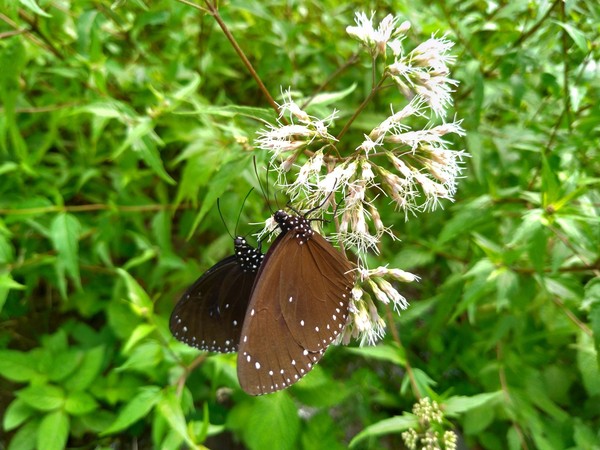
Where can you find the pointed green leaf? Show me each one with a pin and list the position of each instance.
(136, 294)
(170, 408)
(25, 437)
(17, 366)
(460, 404)
(64, 232)
(33, 6)
(576, 34)
(54, 431)
(79, 403)
(137, 408)
(219, 184)
(17, 413)
(42, 397)
(267, 419)
(396, 424)
(140, 332)
(382, 352)
(151, 156)
(87, 371)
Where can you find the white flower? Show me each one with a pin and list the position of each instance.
(424, 72)
(383, 271)
(354, 230)
(291, 137)
(336, 180)
(290, 106)
(307, 177)
(375, 40)
(270, 228)
(398, 301)
(394, 122)
(369, 145)
(363, 322)
(433, 53)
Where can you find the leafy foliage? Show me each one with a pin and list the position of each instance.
(120, 126)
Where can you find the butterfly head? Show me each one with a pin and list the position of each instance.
(299, 225)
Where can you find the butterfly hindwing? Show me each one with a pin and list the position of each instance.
(210, 314)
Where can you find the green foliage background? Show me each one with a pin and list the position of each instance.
(122, 123)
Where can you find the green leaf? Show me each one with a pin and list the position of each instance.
(17, 366)
(381, 352)
(459, 404)
(64, 232)
(423, 382)
(6, 284)
(319, 389)
(264, 114)
(266, 420)
(140, 332)
(151, 156)
(88, 369)
(136, 294)
(16, 413)
(392, 425)
(79, 403)
(328, 98)
(170, 408)
(588, 365)
(33, 6)
(219, 184)
(42, 397)
(550, 184)
(63, 364)
(25, 438)
(54, 431)
(576, 34)
(135, 410)
(144, 357)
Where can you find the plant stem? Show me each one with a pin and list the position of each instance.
(215, 13)
(360, 109)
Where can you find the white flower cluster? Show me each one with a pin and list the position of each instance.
(414, 167)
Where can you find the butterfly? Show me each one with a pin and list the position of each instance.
(210, 314)
(298, 306)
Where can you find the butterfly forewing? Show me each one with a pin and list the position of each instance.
(210, 314)
(299, 305)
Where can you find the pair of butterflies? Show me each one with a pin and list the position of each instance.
(280, 311)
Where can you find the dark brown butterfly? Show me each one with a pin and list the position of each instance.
(298, 306)
(210, 314)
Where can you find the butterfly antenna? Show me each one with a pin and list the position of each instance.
(222, 219)
(237, 222)
(323, 203)
(264, 189)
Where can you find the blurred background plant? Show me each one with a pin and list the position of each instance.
(122, 123)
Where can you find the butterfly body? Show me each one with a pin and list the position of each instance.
(210, 314)
(298, 306)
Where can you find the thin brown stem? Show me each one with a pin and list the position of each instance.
(43, 109)
(215, 13)
(572, 317)
(91, 208)
(360, 109)
(188, 369)
(36, 29)
(396, 338)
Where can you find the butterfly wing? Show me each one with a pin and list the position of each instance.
(299, 304)
(210, 314)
